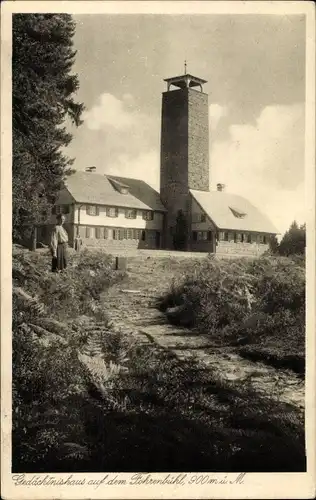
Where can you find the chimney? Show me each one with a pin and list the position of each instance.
(220, 187)
(90, 169)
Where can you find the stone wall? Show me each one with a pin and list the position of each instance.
(184, 154)
(198, 141)
(241, 248)
(174, 159)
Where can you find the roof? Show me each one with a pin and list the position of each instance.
(86, 187)
(230, 211)
(181, 80)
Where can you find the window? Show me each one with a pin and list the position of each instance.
(130, 214)
(92, 210)
(194, 236)
(105, 233)
(143, 235)
(99, 232)
(88, 232)
(61, 209)
(238, 237)
(129, 235)
(249, 238)
(202, 218)
(111, 211)
(202, 235)
(237, 213)
(261, 238)
(116, 234)
(223, 236)
(148, 215)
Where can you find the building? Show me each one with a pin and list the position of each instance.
(116, 212)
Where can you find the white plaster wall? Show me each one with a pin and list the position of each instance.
(120, 221)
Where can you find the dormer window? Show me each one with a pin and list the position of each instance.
(237, 213)
(119, 186)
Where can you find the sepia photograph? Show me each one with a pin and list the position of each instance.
(159, 257)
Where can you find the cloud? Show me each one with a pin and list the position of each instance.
(124, 140)
(216, 112)
(112, 112)
(144, 166)
(265, 163)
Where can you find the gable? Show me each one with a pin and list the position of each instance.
(233, 212)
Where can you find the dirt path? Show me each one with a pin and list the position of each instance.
(131, 306)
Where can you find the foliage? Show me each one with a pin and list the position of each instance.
(256, 301)
(50, 379)
(43, 89)
(293, 241)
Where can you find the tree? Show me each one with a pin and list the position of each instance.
(43, 89)
(294, 240)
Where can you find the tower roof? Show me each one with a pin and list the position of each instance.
(185, 81)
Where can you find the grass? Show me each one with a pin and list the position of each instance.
(130, 408)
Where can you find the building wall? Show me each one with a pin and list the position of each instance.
(184, 153)
(242, 248)
(223, 247)
(121, 221)
(111, 244)
(174, 159)
(198, 141)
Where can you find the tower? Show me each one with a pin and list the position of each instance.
(184, 160)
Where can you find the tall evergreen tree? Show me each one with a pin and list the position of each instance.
(43, 90)
(294, 240)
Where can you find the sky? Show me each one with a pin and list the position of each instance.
(255, 71)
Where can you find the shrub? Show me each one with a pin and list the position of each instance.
(263, 299)
(49, 380)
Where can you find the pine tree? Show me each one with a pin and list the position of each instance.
(43, 91)
(294, 240)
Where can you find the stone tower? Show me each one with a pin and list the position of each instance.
(184, 162)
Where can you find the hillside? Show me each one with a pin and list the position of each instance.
(111, 384)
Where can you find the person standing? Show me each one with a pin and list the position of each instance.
(59, 244)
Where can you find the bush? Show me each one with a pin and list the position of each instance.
(49, 378)
(261, 301)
